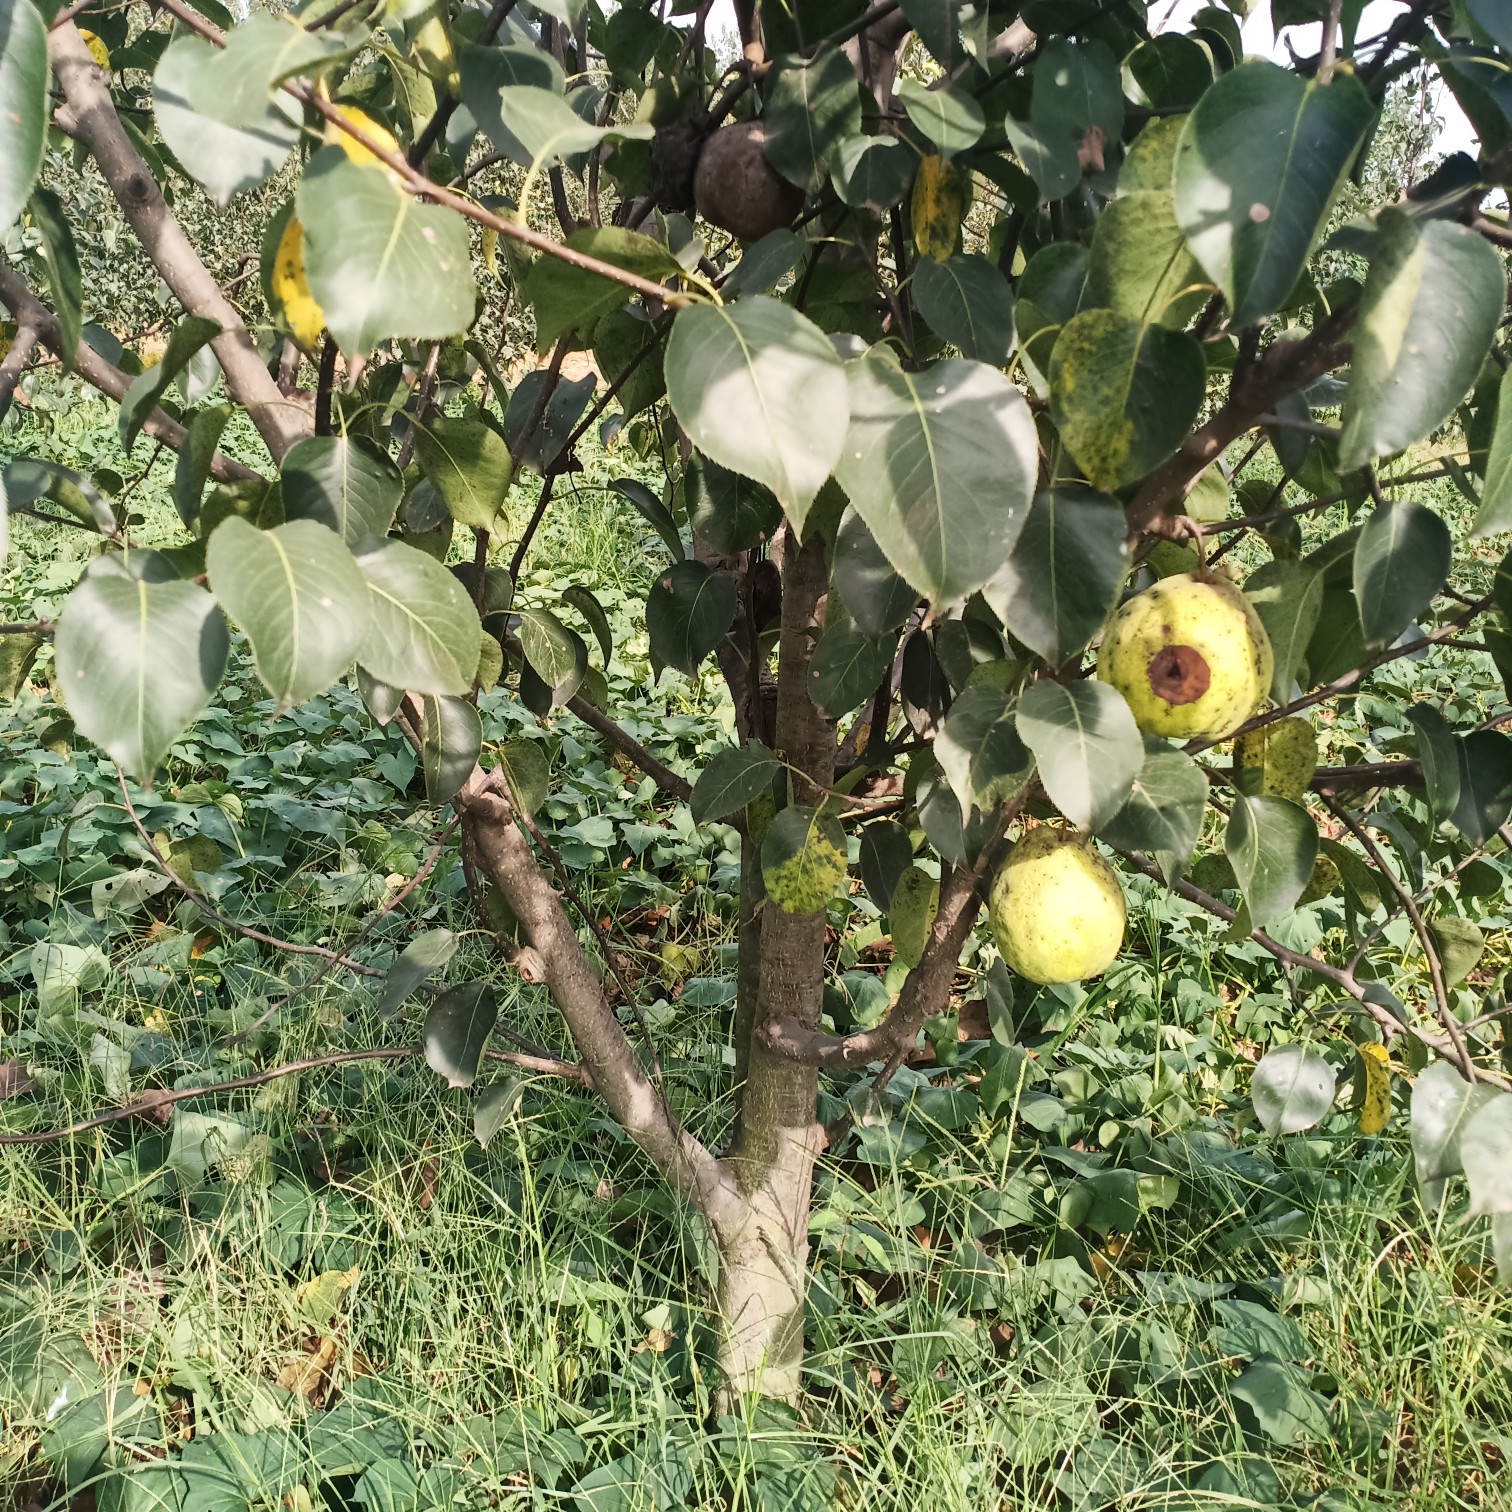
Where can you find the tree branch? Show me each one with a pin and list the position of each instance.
(23, 345)
(92, 118)
(663, 776)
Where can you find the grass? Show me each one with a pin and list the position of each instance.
(1097, 1288)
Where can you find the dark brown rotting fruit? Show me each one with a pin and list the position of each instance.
(1179, 674)
(736, 189)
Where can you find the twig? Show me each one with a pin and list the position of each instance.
(664, 777)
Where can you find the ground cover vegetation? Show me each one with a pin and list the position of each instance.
(890, 894)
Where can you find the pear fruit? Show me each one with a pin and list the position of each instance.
(736, 189)
(1057, 909)
(1190, 657)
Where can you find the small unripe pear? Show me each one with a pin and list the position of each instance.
(1190, 657)
(1057, 908)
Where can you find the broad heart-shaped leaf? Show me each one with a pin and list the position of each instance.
(451, 736)
(1086, 744)
(1432, 300)
(1443, 1104)
(886, 853)
(348, 485)
(425, 955)
(298, 595)
(726, 512)
(1163, 814)
(1065, 571)
(980, 752)
(1123, 395)
(61, 256)
(1496, 494)
(803, 859)
(1272, 844)
(968, 303)
(456, 1030)
(23, 104)
(1485, 1149)
(1286, 1409)
(138, 661)
(731, 780)
(874, 596)
(1258, 165)
(1485, 786)
(1288, 597)
(758, 388)
(688, 611)
(1401, 558)
(847, 666)
(423, 629)
(1141, 266)
(557, 655)
(380, 263)
(1292, 1088)
(469, 465)
(811, 106)
(951, 118)
(940, 464)
(653, 512)
(138, 402)
(566, 297)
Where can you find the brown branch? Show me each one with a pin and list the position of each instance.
(27, 309)
(663, 776)
(91, 117)
(23, 346)
(153, 1102)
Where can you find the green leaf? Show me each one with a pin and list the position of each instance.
(1443, 1104)
(583, 600)
(1492, 18)
(469, 465)
(61, 257)
(138, 662)
(628, 351)
(847, 666)
(423, 957)
(1122, 394)
(347, 485)
(1286, 1409)
(1401, 559)
(1460, 945)
(980, 751)
(1485, 1150)
(1141, 267)
(456, 1030)
(557, 655)
(1272, 843)
(886, 853)
(1432, 301)
(1076, 88)
(297, 594)
(543, 129)
(1051, 289)
(872, 172)
(654, 512)
(1065, 571)
(487, 71)
(940, 465)
(23, 104)
(527, 772)
(1048, 153)
(1171, 70)
(381, 264)
(147, 388)
(688, 611)
(726, 512)
(803, 859)
(950, 118)
(915, 901)
(1496, 495)
(732, 779)
(494, 1105)
(968, 303)
(566, 297)
(192, 471)
(538, 444)
(1086, 744)
(1438, 749)
(1257, 168)
(1288, 597)
(811, 106)
(758, 388)
(423, 629)
(1292, 1088)
(451, 736)
(874, 596)
(1485, 785)
(1163, 814)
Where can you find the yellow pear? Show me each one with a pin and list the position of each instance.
(1190, 656)
(1057, 908)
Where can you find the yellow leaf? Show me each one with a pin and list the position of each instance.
(941, 195)
(336, 137)
(97, 49)
(291, 288)
(1375, 1100)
